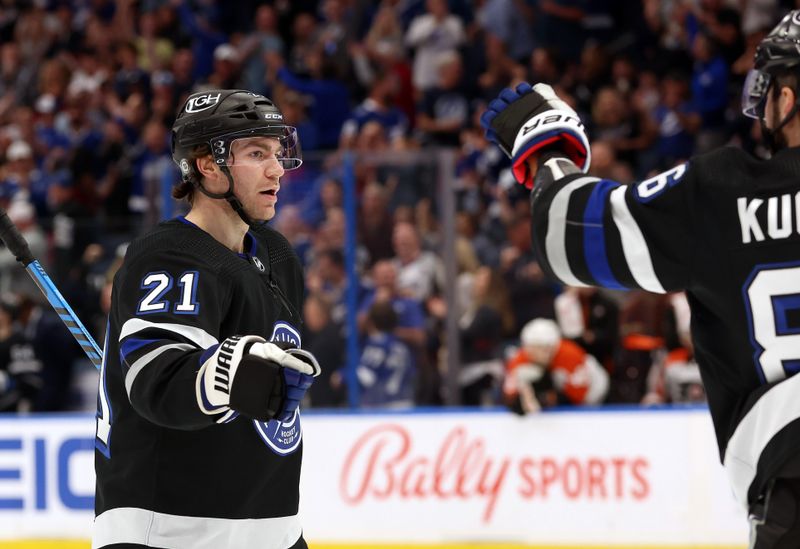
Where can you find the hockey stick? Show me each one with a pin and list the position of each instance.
(18, 246)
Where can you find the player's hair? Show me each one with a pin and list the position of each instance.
(185, 189)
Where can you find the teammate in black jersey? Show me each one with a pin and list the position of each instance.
(725, 227)
(198, 425)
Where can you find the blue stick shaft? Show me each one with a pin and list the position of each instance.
(68, 316)
(17, 245)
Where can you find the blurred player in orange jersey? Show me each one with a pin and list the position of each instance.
(548, 370)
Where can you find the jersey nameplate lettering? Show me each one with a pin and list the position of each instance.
(783, 217)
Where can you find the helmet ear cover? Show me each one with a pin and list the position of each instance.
(190, 173)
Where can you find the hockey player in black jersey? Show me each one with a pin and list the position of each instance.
(199, 440)
(724, 227)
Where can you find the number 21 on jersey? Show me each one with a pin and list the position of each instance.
(772, 297)
(159, 284)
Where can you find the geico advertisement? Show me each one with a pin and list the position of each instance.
(619, 477)
(46, 476)
(564, 477)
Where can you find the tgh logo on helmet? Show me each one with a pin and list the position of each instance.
(202, 102)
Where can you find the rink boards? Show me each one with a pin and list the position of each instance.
(611, 478)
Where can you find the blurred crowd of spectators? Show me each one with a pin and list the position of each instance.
(89, 90)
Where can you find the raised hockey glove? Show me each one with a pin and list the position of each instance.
(527, 120)
(246, 374)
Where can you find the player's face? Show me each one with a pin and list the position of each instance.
(256, 170)
(540, 354)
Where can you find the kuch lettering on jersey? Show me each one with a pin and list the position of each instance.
(782, 217)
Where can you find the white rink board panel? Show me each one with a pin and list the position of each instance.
(46, 476)
(564, 478)
(618, 477)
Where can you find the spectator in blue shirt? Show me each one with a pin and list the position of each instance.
(709, 90)
(254, 48)
(410, 326)
(23, 181)
(445, 109)
(677, 123)
(47, 136)
(149, 164)
(329, 98)
(379, 106)
(386, 368)
(205, 36)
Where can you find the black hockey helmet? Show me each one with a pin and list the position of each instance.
(219, 117)
(778, 52)
(780, 49)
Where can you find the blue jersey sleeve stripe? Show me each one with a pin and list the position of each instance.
(594, 236)
(133, 344)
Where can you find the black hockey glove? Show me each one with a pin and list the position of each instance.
(248, 375)
(527, 120)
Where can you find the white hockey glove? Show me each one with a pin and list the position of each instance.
(527, 120)
(255, 378)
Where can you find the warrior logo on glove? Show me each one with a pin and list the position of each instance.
(261, 380)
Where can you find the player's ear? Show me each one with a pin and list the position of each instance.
(206, 166)
(787, 100)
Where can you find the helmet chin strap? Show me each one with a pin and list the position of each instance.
(235, 203)
(231, 198)
(772, 137)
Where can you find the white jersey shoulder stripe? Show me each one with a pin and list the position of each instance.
(776, 408)
(134, 525)
(555, 240)
(144, 360)
(198, 336)
(634, 246)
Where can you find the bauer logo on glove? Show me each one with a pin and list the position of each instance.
(527, 120)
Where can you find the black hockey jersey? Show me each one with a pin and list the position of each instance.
(726, 228)
(169, 475)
